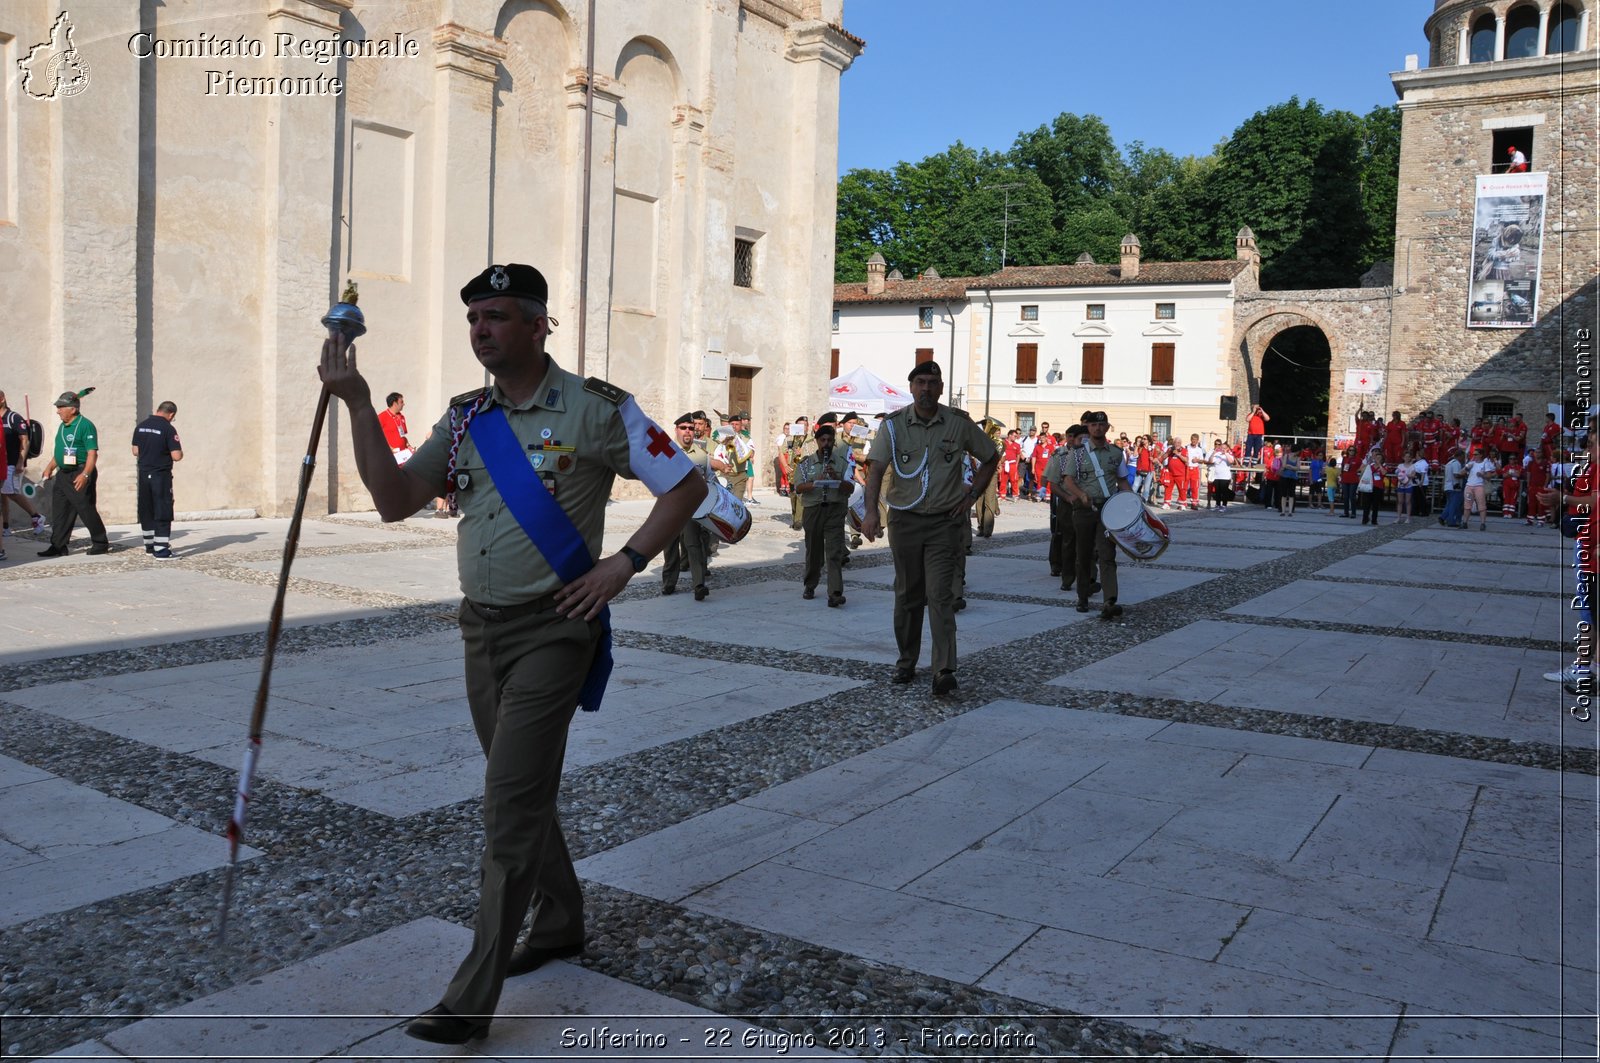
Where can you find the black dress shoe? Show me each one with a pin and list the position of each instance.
(53, 552)
(1055, 572)
(700, 593)
(1083, 605)
(442, 1026)
(961, 603)
(526, 957)
(669, 590)
(809, 593)
(1110, 611)
(903, 675)
(99, 548)
(945, 683)
(1094, 586)
(835, 600)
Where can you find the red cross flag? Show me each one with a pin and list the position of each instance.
(655, 459)
(1363, 381)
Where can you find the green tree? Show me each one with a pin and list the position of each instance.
(1380, 180)
(1008, 211)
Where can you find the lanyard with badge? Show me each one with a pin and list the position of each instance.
(69, 448)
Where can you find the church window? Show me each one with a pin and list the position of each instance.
(744, 263)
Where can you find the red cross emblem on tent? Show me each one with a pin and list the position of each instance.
(844, 389)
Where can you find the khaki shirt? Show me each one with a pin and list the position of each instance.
(1110, 458)
(1055, 470)
(579, 444)
(912, 449)
(811, 467)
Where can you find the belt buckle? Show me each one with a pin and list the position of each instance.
(491, 613)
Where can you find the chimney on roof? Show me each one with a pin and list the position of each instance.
(930, 274)
(875, 270)
(1244, 247)
(896, 275)
(1085, 259)
(1130, 257)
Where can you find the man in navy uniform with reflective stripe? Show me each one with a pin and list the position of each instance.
(156, 445)
(536, 644)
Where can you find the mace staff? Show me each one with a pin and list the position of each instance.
(345, 317)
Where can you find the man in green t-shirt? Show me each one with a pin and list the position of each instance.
(77, 450)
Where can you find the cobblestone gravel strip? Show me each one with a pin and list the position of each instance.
(1389, 581)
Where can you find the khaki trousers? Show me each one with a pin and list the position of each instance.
(688, 550)
(926, 548)
(523, 678)
(824, 525)
(1094, 543)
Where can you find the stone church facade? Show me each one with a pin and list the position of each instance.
(183, 192)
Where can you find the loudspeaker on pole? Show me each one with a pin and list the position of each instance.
(1228, 408)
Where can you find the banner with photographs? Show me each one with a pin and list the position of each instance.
(1507, 234)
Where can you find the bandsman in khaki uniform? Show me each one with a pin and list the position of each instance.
(1063, 541)
(689, 548)
(823, 482)
(917, 465)
(738, 451)
(989, 500)
(534, 646)
(1096, 470)
(795, 447)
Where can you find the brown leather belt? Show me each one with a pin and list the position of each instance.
(499, 614)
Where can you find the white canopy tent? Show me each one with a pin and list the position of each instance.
(862, 391)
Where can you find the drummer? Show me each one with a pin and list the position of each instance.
(1095, 471)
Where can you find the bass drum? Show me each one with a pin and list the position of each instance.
(1138, 532)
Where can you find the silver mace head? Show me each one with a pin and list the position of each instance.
(345, 316)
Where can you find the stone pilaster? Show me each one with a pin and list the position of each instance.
(466, 68)
(300, 135)
(94, 183)
(602, 161)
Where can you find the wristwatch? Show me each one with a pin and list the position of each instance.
(638, 560)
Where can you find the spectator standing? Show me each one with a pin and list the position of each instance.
(1195, 457)
(1403, 475)
(76, 453)
(1478, 474)
(1349, 480)
(156, 446)
(1255, 432)
(1394, 439)
(1041, 458)
(392, 420)
(1370, 486)
(1271, 469)
(1288, 480)
(1537, 477)
(1025, 448)
(1314, 479)
(1454, 473)
(1175, 474)
(1221, 477)
(1010, 454)
(14, 427)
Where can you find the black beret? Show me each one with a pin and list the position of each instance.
(928, 368)
(699, 415)
(824, 426)
(515, 280)
(1076, 430)
(683, 419)
(827, 418)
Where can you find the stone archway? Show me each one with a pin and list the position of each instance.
(1353, 321)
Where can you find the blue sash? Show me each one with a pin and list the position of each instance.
(547, 524)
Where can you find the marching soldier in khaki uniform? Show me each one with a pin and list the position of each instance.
(1096, 470)
(738, 452)
(689, 548)
(530, 462)
(989, 500)
(917, 465)
(1063, 541)
(823, 483)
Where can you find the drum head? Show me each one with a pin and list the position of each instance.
(1121, 510)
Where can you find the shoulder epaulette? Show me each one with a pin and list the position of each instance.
(608, 391)
(465, 397)
(958, 411)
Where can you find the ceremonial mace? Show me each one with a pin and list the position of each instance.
(346, 318)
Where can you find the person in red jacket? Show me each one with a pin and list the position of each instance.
(1394, 439)
(1010, 454)
(1041, 457)
(1368, 431)
(1176, 475)
(1480, 434)
(1550, 438)
(1450, 436)
(1349, 477)
(1517, 435)
(1510, 488)
(1538, 478)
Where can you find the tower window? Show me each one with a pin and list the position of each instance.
(1480, 45)
(1522, 32)
(744, 263)
(1563, 35)
(1503, 156)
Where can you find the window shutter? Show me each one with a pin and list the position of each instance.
(1094, 363)
(924, 354)
(1162, 357)
(833, 365)
(1027, 363)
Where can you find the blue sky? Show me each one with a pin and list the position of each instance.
(1171, 73)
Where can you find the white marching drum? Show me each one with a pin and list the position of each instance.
(723, 513)
(1140, 533)
(857, 510)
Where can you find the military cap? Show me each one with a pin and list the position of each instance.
(68, 398)
(742, 415)
(928, 368)
(514, 280)
(827, 418)
(699, 415)
(1096, 417)
(825, 426)
(1076, 430)
(683, 419)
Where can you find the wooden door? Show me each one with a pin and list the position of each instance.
(741, 388)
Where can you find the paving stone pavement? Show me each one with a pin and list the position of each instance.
(1309, 796)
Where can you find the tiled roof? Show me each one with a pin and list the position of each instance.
(1076, 275)
(1096, 275)
(916, 290)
